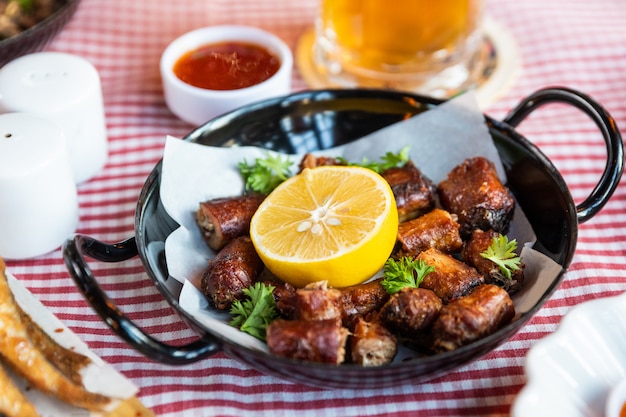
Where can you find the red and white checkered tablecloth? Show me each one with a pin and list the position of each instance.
(575, 43)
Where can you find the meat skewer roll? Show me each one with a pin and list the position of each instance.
(410, 312)
(436, 229)
(312, 340)
(476, 195)
(233, 269)
(371, 344)
(361, 300)
(223, 219)
(472, 317)
(451, 278)
(414, 192)
(317, 302)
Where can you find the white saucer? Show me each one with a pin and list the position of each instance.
(497, 78)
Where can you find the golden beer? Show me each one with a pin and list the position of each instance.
(394, 41)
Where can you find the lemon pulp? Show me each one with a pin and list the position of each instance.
(332, 223)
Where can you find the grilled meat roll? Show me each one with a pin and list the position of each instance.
(477, 244)
(234, 268)
(472, 317)
(414, 192)
(371, 344)
(410, 312)
(223, 219)
(361, 300)
(451, 278)
(435, 229)
(476, 195)
(317, 302)
(312, 340)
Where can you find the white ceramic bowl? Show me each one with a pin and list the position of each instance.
(198, 105)
(571, 372)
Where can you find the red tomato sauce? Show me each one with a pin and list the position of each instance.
(226, 66)
(622, 413)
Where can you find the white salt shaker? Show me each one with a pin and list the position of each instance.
(38, 198)
(65, 89)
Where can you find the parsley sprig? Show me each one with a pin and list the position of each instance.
(256, 312)
(405, 272)
(502, 253)
(265, 174)
(387, 161)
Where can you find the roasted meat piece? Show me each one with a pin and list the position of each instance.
(410, 312)
(317, 302)
(285, 298)
(361, 300)
(371, 344)
(234, 268)
(476, 195)
(451, 278)
(477, 244)
(348, 303)
(472, 317)
(311, 161)
(223, 219)
(414, 192)
(317, 340)
(435, 229)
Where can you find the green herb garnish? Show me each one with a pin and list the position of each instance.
(266, 173)
(256, 312)
(389, 160)
(502, 253)
(26, 5)
(405, 272)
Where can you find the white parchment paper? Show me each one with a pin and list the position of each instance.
(439, 140)
(98, 377)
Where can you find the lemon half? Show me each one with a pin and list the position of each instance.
(333, 223)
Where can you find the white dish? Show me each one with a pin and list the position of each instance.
(198, 105)
(572, 371)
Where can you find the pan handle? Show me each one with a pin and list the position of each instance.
(614, 146)
(74, 250)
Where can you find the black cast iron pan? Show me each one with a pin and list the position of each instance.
(327, 118)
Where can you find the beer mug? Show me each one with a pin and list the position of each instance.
(424, 46)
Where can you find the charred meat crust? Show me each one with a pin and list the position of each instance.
(223, 219)
(451, 278)
(233, 269)
(415, 193)
(435, 229)
(317, 302)
(371, 344)
(474, 192)
(410, 311)
(312, 340)
(474, 316)
(361, 301)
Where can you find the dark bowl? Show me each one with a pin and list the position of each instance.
(328, 118)
(37, 37)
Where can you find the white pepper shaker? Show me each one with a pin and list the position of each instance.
(38, 197)
(65, 89)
